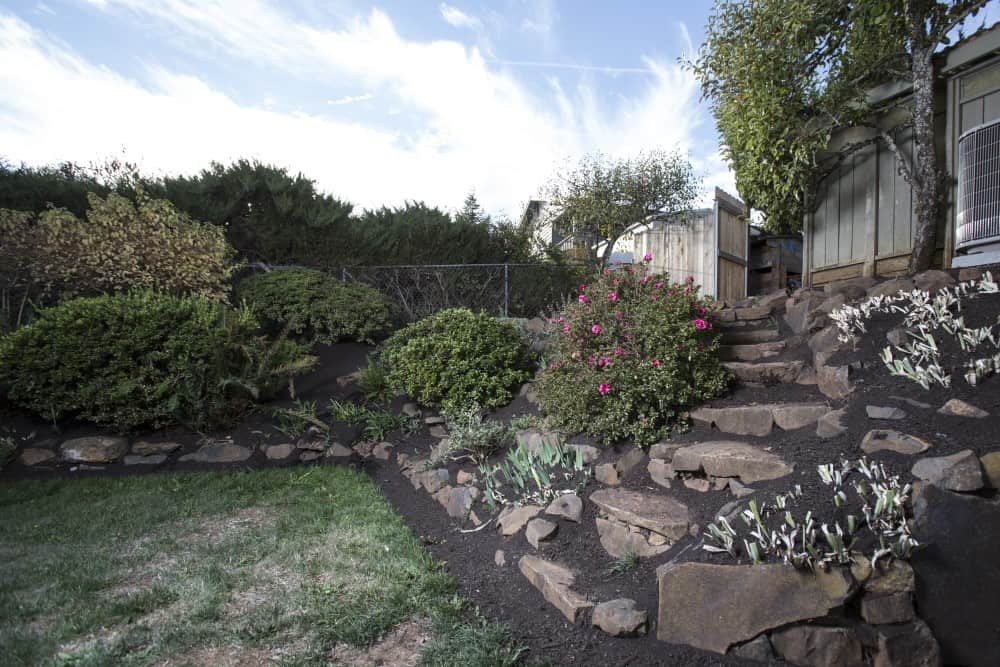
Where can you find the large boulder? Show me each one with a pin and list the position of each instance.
(620, 618)
(93, 449)
(713, 607)
(958, 472)
(655, 512)
(957, 574)
(818, 646)
(731, 459)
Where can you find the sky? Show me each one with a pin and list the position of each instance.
(378, 103)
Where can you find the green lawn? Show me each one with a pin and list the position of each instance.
(291, 567)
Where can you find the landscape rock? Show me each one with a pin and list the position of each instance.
(588, 453)
(748, 337)
(959, 408)
(145, 448)
(713, 607)
(628, 461)
(798, 312)
(382, 450)
(460, 501)
(443, 495)
(661, 472)
(222, 452)
(620, 618)
(606, 473)
(619, 541)
(534, 439)
(464, 477)
(933, 280)
(884, 412)
(310, 455)
(885, 609)
(434, 420)
(765, 372)
(569, 506)
(344, 381)
(320, 445)
(741, 420)
(912, 402)
(751, 351)
(500, 558)
(891, 287)
(697, 484)
(438, 432)
(664, 451)
(991, 469)
(513, 519)
(151, 460)
(33, 456)
(739, 490)
(879, 440)
(337, 451)
(540, 530)
(658, 513)
(957, 472)
(93, 449)
(758, 650)
(731, 459)
(433, 480)
(411, 410)
(792, 416)
(279, 452)
(832, 424)
(554, 581)
(910, 645)
(818, 646)
(890, 578)
(957, 573)
(753, 313)
(834, 381)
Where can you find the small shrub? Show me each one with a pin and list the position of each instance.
(374, 382)
(120, 246)
(296, 420)
(624, 564)
(458, 359)
(317, 305)
(145, 359)
(470, 436)
(7, 450)
(633, 354)
(377, 423)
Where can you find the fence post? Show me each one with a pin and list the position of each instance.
(506, 290)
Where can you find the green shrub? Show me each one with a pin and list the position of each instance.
(477, 439)
(633, 354)
(317, 305)
(144, 359)
(458, 359)
(120, 246)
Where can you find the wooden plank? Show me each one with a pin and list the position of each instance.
(863, 209)
(845, 220)
(886, 196)
(902, 210)
(832, 220)
(830, 275)
(732, 280)
(816, 238)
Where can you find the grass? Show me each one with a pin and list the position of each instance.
(277, 566)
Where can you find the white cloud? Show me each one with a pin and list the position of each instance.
(469, 125)
(350, 99)
(456, 18)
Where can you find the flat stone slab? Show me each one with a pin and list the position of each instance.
(661, 472)
(144, 448)
(991, 468)
(279, 452)
(881, 440)
(658, 513)
(834, 381)
(540, 530)
(460, 501)
(765, 372)
(818, 645)
(751, 351)
(619, 541)
(513, 519)
(568, 506)
(554, 581)
(221, 453)
(620, 618)
(832, 424)
(750, 336)
(33, 456)
(93, 449)
(150, 460)
(884, 412)
(713, 607)
(741, 420)
(791, 416)
(337, 451)
(958, 472)
(731, 459)
(959, 408)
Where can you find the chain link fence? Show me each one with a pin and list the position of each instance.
(508, 290)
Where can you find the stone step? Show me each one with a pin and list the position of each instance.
(766, 372)
(749, 314)
(751, 351)
(759, 420)
(748, 336)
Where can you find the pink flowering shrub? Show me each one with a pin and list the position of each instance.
(631, 358)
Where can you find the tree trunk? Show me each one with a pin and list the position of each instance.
(926, 181)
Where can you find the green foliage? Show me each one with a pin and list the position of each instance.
(477, 439)
(524, 422)
(600, 197)
(634, 353)
(534, 473)
(377, 423)
(7, 449)
(625, 564)
(144, 359)
(374, 381)
(121, 246)
(296, 420)
(318, 305)
(458, 359)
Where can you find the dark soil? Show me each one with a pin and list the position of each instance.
(504, 594)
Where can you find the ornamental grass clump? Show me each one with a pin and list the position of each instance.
(632, 355)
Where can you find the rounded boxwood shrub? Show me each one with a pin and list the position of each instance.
(631, 355)
(318, 305)
(144, 359)
(458, 359)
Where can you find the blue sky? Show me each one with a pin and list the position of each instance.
(379, 103)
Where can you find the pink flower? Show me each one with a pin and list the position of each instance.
(701, 311)
(596, 329)
(689, 280)
(590, 360)
(607, 272)
(656, 363)
(612, 297)
(619, 314)
(648, 257)
(566, 329)
(582, 288)
(604, 388)
(653, 298)
(618, 352)
(657, 285)
(700, 324)
(582, 299)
